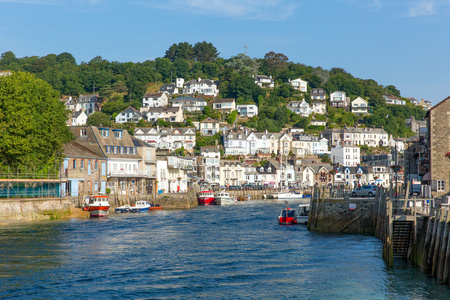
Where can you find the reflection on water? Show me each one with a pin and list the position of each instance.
(219, 252)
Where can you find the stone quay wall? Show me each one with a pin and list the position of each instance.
(33, 209)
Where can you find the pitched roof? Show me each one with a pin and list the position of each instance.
(225, 100)
(153, 95)
(209, 120)
(131, 110)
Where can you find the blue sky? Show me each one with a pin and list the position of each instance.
(400, 42)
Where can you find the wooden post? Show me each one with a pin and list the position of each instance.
(443, 249)
(432, 244)
(437, 245)
(427, 243)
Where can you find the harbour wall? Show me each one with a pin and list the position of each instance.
(340, 215)
(33, 209)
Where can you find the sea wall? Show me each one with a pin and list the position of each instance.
(341, 215)
(33, 209)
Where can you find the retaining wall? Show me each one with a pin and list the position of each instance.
(33, 209)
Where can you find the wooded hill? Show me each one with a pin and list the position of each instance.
(121, 84)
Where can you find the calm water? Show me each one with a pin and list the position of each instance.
(218, 252)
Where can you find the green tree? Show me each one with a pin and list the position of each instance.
(32, 122)
(244, 65)
(276, 62)
(232, 117)
(99, 119)
(182, 50)
(205, 52)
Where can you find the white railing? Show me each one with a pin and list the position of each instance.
(127, 173)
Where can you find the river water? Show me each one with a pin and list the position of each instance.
(218, 252)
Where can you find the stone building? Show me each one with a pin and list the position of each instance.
(438, 120)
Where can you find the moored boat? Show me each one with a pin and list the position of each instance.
(97, 206)
(155, 207)
(141, 206)
(224, 198)
(122, 209)
(206, 198)
(287, 216)
(244, 198)
(303, 213)
(288, 196)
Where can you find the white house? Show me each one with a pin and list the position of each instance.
(264, 81)
(339, 99)
(155, 99)
(168, 114)
(319, 107)
(318, 123)
(189, 104)
(170, 89)
(167, 138)
(209, 164)
(224, 105)
(360, 106)
(129, 115)
(346, 154)
(299, 84)
(209, 127)
(232, 172)
(318, 94)
(79, 118)
(247, 110)
(236, 143)
(205, 87)
(300, 108)
(177, 170)
(393, 100)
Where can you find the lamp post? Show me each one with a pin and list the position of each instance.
(396, 169)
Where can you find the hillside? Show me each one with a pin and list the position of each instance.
(121, 84)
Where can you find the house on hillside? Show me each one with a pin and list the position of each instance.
(170, 89)
(300, 108)
(360, 106)
(189, 104)
(319, 106)
(299, 84)
(78, 118)
(205, 87)
(155, 99)
(339, 99)
(247, 110)
(318, 94)
(264, 81)
(226, 105)
(129, 115)
(209, 127)
(393, 100)
(168, 114)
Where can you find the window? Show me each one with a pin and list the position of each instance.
(118, 134)
(128, 150)
(82, 164)
(108, 149)
(105, 132)
(74, 164)
(83, 132)
(115, 149)
(440, 185)
(121, 150)
(133, 150)
(96, 165)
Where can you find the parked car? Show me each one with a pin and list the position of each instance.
(365, 191)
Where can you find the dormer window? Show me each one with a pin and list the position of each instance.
(261, 169)
(105, 132)
(269, 169)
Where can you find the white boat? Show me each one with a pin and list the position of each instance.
(224, 198)
(303, 213)
(288, 196)
(140, 206)
(97, 206)
(123, 209)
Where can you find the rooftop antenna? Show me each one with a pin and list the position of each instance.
(246, 48)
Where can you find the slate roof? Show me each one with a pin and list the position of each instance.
(153, 95)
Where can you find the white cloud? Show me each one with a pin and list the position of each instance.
(246, 9)
(423, 8)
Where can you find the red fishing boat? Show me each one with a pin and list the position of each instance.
(97, 206)
(287, 216)
(206, 198)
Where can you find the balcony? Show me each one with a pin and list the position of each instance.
(127, 173)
